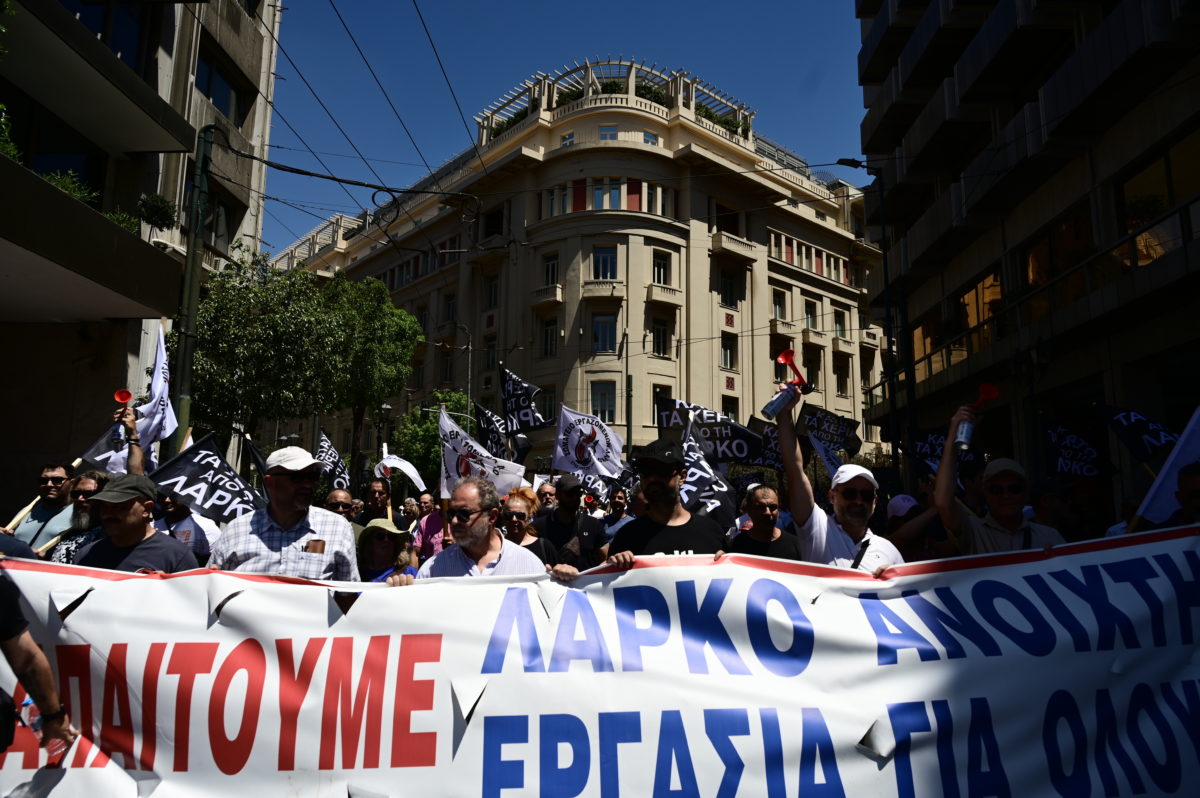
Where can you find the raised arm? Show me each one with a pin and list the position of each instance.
(943, 486)
(799, 488)
(127, 417)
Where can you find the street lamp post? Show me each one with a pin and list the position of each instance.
(470, 347)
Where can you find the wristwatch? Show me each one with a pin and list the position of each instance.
(57, 714)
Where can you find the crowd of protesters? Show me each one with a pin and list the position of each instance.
(123, 522)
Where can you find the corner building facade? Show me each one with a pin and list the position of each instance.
(1039, 169)
(632, 237)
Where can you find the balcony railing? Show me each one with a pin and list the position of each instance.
(1101, 284)
(547, 295)
(726, 243)
(656, 292)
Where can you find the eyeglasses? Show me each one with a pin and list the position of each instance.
(462, 514)
(83, 494)
(510, 515)
(1011, 488)
(338, 506)
(51, 480)
(858, 494)
(377, 492)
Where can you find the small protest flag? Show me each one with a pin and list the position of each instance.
(1068, 454)
(585, 445)
(704, 491)
(339, 476)
(1146, 440)
(1161, 507)
(492, 431)
(463, 456)
(200, 476)
(520, 410)
(723, 439)
(403, 466)
(829, 432)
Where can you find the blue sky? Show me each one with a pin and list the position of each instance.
(792, 61)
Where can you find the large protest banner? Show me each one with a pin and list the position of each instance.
(1069, 673)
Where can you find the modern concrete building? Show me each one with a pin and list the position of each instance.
(1038, 170)
(115, 93)
(619, 232)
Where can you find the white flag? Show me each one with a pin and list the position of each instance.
(1161, 507)
(586, 446)
(408, 469)
(463, 456)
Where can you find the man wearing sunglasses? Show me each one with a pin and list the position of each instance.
(289, 537)
(480, 547)
(51, 516)
(1004, 527)
(341, 502)
(843, 539)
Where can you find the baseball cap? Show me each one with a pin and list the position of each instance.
(659, 451)
(567, 483)
(124, 487)
(291, 458)
(851, 471)
(900, 505)
(1003, 465)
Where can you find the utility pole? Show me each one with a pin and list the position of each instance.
(189, 299)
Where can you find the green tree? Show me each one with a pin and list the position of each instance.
(373, 347)
(417, 431)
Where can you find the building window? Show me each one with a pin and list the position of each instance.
(604, 263)
(657, 391)
(449, 251)
(418, 374)
(217, 84)
(604, 332)
(550, 269)
(812, 366)
(608, 132)
(841, 375)
(649, 138)
(729, 351)
(491, 293)
(550, 338)
(812, 320)
(606, 193)
(729, 290)
(489, 352)
(839, 324)
(450, 307)
(661, 334)
(729, 406)
(778, 303)
(492, 223)
(604, 401)
(835, 268)
(661, 267)
(567, 139)
(547, 402)
(423, 319)
(447, 367)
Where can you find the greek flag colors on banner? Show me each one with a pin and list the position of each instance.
(520, 410)
(201, 477)
(1063, 673)
(492, 430)
(156, 421)
(463, 456)
(585, 445)
(335, 469)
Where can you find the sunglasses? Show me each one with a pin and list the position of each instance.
(1011, 488)
(83, 494)
(462, 515)
(338, 506)
(510, 515)
(51, 480)
(857, 494)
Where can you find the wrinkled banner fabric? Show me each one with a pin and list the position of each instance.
(1066, 673)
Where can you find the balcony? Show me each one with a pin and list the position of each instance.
(885, 39)
(65, 262)
(844, 346)
(943, 32)
(547, 295)
(785, 328)
(997, 64)
(65, 68)
(603, 289)
(890, 113)
(813, 337)
(945, 135)
(728, 244)
(664, 294)
(1018, 163)
(870, 339)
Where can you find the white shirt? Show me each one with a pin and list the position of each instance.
(823, 541)
(513, 560)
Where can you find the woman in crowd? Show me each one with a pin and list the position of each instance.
(384, 550)
(520, 506)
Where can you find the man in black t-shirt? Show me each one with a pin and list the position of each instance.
(763, 537)
(576, 535)
(131, 543)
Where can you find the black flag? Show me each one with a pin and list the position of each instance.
(522, 446)
(768, 457)
(1147, 440)
(722, 439)
(260, 463)
(492, 431)
(705, 491)
(1069, 454)
(520, 412)
(339, 477)
(200, 476)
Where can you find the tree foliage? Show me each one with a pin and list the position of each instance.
(418, 433)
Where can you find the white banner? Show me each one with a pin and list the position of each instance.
(463, 456)
(1072, 672)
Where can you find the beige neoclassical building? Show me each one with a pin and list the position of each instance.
(619, 232)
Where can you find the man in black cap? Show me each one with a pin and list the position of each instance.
(667, 527)
(131, 543)
(576, 535)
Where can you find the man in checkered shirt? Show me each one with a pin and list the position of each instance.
(290, 537)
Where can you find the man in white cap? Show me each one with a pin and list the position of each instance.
(842, 540)
(1005, 487)
(290, 537)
